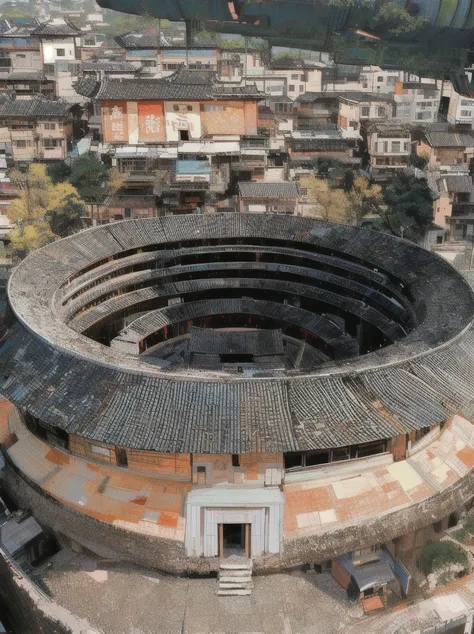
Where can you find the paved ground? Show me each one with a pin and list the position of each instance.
(128, 600)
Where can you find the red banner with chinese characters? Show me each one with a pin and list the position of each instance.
(151, 124)
(115, 121)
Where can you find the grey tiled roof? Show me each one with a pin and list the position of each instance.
(87, 86)
(183, 84)
(86, 388)
(137, 41)
(51, 28)
(261, 189)
(109, 67)
(37, 75)
(34, 108)
(450, 139)
(458, 184)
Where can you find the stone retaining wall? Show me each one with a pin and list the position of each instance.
(113, 542)
(30, 611)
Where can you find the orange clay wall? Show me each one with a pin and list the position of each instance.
(219, 467)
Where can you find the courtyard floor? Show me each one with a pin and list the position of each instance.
(128, 600)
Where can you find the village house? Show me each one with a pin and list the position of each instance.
(187, 138)
(359, 108)
(60, 51)
(280, 197)
(446, 147)
(453, 207)
(460, 110)
(38, 129)
(287, 77)
(324, 141)
(389, 147)
(20, 49)
(313, 108)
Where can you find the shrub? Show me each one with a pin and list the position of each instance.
(469, 526)
(438, 555)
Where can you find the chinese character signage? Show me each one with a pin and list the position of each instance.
(150, 122)
(115, 122)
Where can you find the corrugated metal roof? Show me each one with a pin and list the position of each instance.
(14, 535)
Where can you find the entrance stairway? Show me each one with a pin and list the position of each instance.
(235, 576)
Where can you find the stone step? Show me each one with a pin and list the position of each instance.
(243, 566)
(234, 592)
(246, 579)
(235, 573)
(235, 584)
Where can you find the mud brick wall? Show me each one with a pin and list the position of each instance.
(165, 463)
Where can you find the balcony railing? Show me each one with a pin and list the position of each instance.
(256, 143)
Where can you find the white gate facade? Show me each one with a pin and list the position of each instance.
(207, 508)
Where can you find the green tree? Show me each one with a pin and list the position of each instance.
(420, 161)
(408, 208)
(363, 199)
(94, 181)
(42, 212)
(438, 555)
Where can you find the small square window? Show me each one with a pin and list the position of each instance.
(189, 108)
(61, 52)
(201, 469)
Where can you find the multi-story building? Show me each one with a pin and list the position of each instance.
(39, 129)
(417, 102)
(446, 147)
(460, 110)
(389, 146)
(60, 51)
(186, 138)
(20, 49)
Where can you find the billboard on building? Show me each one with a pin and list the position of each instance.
(115, 121)
(151, 122)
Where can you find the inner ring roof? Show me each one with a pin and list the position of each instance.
(83, 387)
